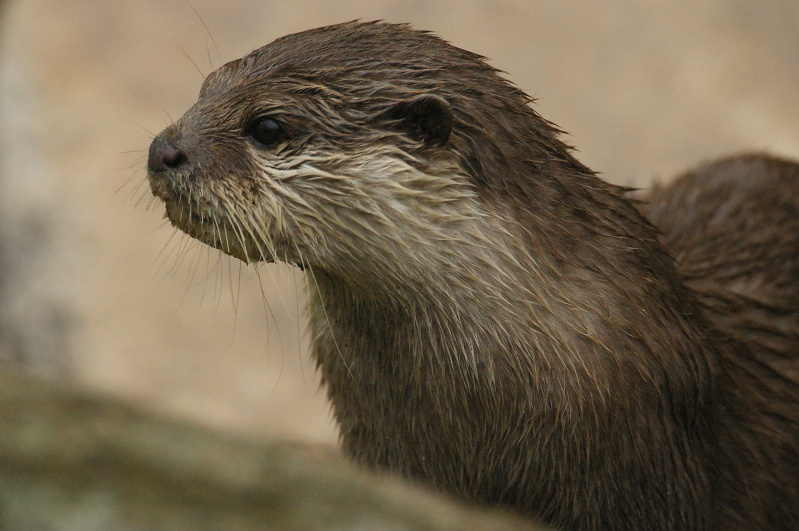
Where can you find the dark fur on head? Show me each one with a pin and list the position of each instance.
(488, 316)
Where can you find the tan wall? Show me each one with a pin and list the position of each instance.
(645, 89)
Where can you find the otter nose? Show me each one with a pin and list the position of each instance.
(165, 156)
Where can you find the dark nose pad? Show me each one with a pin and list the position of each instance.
(164, 156)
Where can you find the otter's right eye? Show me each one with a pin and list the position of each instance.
(265, 131)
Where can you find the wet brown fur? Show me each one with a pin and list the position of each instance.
(488, 316)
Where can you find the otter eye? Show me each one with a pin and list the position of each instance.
(265, 131)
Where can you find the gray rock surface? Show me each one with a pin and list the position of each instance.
(77, 462)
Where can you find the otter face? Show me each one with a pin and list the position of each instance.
(360, 148)
(330, 168)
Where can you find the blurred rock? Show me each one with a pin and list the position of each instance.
(71, 461)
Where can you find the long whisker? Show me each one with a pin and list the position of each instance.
(268, 310)
(311, 273)
(208, 31)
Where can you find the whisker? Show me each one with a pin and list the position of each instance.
(192, 62)
(268, 311)
(327, 318)
(152, 135)
(208, 31)
(235, 295)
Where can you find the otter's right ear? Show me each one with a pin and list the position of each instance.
(426, 118)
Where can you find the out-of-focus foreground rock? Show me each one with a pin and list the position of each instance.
(71, 461)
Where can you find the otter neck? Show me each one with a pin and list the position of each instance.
(557, 334)
(556, 290)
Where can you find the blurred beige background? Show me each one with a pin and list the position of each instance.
(646, 89)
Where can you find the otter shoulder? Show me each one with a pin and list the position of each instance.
(732, 226)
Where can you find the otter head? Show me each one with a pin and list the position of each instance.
(350, 149)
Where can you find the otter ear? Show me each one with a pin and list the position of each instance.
(426, 118)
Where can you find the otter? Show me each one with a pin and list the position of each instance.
(488, 316)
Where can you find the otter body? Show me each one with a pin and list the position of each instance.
(488, 316)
